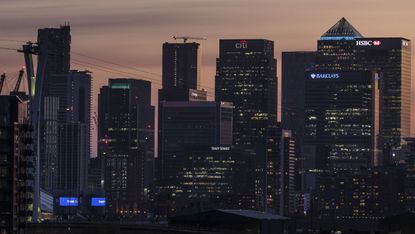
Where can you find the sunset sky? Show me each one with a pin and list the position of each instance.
(131, 32)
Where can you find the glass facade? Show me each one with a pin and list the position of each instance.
(392, 58)
(246, 77)
(126, 143)
(341, 118)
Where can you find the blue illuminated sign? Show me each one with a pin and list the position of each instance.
(98, 201)
(68, 201)
(325, 76)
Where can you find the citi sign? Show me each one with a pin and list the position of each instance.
(368, 43)
(243, 44)
(325, 76)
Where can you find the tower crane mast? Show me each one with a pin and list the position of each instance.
(19, 80)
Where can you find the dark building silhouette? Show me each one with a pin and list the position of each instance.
(126, 144)
(184, 124)
(16, 165)
(343, 48)
(246, 77)
(210, 177)
(294, 67)
(54, 44)
(181, 73)
(281, 170)
(356, 200)
(68, 111)
(181, 65)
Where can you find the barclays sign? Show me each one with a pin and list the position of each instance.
(325, 76)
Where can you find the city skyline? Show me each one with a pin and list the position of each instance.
(286, 117)
(132, 33)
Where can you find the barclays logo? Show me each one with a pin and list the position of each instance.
(325, 76)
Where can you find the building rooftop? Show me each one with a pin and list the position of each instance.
(254, 214)
(342, 30)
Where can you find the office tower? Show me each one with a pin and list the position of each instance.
(287, 170)
(341, 120)
(55, 44)
(183, 124)
(294, 68)
(126, 143)
(55, 50)
(188, 124)
(66, 113)
(281, 168)
(181, 65)
(246, 77)
(343, 48)
(215, 177)
(16, 165)
(181, 73)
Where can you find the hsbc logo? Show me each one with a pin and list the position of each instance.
(243, 44)
(368, 43)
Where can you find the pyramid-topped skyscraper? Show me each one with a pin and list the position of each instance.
(343, 29)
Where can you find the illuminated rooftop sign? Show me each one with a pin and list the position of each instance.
(368, 43)
(324, 75)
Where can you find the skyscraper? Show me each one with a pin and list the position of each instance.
(181, 65)
(294, 68)
(343, 48)
(246, 77)
(341, 120)
(54, 44)
(73, 94)
(181, 72)
(126, 143)
(183, 126)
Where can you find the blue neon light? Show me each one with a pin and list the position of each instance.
(98, 201)
(337, 38)
(68, 201)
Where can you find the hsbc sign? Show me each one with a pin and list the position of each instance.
(368, 43)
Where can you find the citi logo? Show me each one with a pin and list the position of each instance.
(243, 44)
(325, 76)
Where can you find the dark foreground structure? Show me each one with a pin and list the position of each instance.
(235, 221)
(63, 228)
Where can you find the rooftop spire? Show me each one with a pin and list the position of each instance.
(342, 30)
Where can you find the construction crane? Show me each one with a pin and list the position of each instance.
(2, 78)
(186, 38)
(19, 80)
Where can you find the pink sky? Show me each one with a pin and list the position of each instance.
(131, 32)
